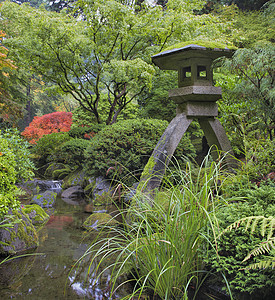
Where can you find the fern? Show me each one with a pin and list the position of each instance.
(251, 222)
(267, 226)
(264, 247)
(263, 264)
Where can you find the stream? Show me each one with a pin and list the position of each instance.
(49, 274)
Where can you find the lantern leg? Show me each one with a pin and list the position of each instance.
(155, 168)
(216, 135)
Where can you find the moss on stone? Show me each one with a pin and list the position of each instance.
(25, 231)
(75, 178)
(22, 236)
(4, 244)
(46, 199)
(149, 167)
(36, 213)
(146, 173)
(203, 43)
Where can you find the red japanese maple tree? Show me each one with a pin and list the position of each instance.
(59, 121)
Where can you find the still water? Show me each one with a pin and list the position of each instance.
(49, 275)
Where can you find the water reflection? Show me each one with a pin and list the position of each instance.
(50, 276)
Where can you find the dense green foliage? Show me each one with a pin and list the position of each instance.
(24, 166)
(245, 29)
(72, 152)
(254, 69)
(47, 146)
(8, 178)
(15, 165)
(106, 55)
(102, 65)
(156, 104)
(233, 246)
(124, 148)
(86, 131)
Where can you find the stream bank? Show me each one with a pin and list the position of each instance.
(48, 274)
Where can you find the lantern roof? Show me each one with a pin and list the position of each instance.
(171, 58)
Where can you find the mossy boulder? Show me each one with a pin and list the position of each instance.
(78, 177)
(103, 199)
(97, 220)
(100, 190)
(19, 236)
(31, 186)
(45, 200)
(37, 214)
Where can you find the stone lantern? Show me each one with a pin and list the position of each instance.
(195, 97)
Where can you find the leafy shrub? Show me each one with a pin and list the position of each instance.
(234, 246)
(260, 159)
(64, 147)
(72, 152)
(47, 146)
(8, 177)
(82, 117)
(15, 165)
(85, 132)
(23, 165)
(125, 147)
(49, 123)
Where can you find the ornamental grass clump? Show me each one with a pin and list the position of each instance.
(157, 246)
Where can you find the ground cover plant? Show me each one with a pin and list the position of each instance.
(267, 228)
(252, 203)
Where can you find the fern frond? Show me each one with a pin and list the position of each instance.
(262, 264)
(264, 247)
(267, 225)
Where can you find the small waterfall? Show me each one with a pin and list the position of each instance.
(45, 185)
(55, 185)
